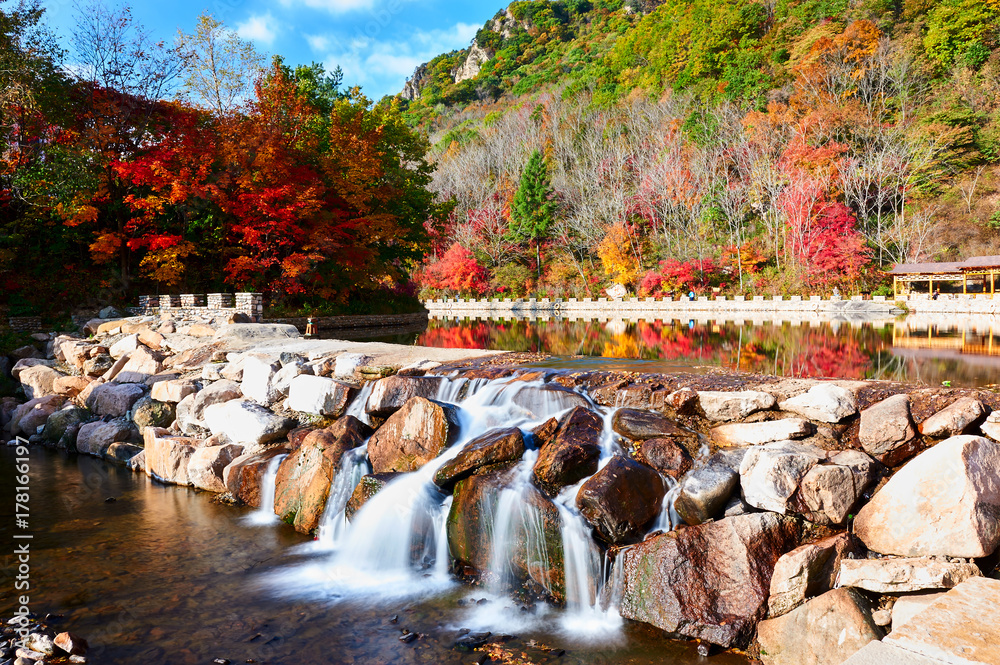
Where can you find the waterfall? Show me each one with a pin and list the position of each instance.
(358, 404)
(264, 515)
(333, 527)
(668, 518)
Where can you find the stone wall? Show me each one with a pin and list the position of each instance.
(25, 323)
(979, 303)
(326, 323)
(210, 305)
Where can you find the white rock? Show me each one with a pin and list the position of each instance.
(348, 363)
(907, 607)
(317, 395)
(258, 380)
(892, 576)
(824, 402)
(887, 432)
(246, 423)
(207, 464)
(38, 381)
(213, 371)
(953, 419)
(723, 406)
(770, 474)
(173, 391)
(830, 491)
(283, 379)
(126, 344)
(756, 434)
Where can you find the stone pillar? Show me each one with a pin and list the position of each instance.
(192, 300)
(170, 301)
(220, 300)
(149, 302)
(251, 304)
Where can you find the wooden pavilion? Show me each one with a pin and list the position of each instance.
(983, 271)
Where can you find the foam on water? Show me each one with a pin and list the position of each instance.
(264, 515)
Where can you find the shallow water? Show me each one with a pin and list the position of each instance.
(164, 575)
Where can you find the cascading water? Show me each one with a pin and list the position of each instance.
(264, 515)
(333, 527)
(357, 406)
(668, 518)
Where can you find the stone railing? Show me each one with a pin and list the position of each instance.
(25, 323)
(973, 303)
(212, 305)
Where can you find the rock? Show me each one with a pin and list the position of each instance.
(573, 453)
(207, 464)
(824, 402)
(683, 401)
(882, 618)
(125, 346)
(704, 493)
(621, 500)
(213, 371)
(908, 606)
(644, 425)
(808, 571)
(233, 371)
(831, 491)
(99, 365)
(282, 381)
(255, 332)
(958, 628)
(545, 432)
(667, 457)
(137, 463)
(151, 338)
(304, 477)
(347, 364)
(418, 368)
(110, 312)
(142, 364)
(391, 393)
(708, 582)
(123, 453)
(991, 427)
(114, 399)
(40, 643)
(62, 427)
(246, 423)
(887, 432)
(148, 412)
(723, 406)
(494, 447)
(413, 436)
(191, 409)
(201, 330)
(94, 438)
(953, 419)
(115, 369)
(71, 644)
(893, 576)
(549, 398)
(770, 474)
(73, 351)
(944, 502)
(369, 486)
(238, 317)
(70, 386)
(167, 457)
(258, 379)
(28, 417)
(173, 390)
(825, 631)
(38, 381)
(25, 363)
(319, 395)
(26, 351)
(880, 653)
(243, 475)
(757, 434)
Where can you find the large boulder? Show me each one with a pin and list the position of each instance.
(142, 364)
(390, 394)
(23, 364)
(894, 576)
(944, 502)
(255, 332)
(887, 432)
(825, 631)
(28, 417)
(70, 386)
(639, 425)
(246, 423)
(548, 398)
(704, 493)
(191, 409)
(808, 571)
(830, 492)
(207, 464)
(38, 381)
(666, 456)
(62, 427)
(368, 486)
(319, 396)
(125, 346)
(244, 474)
(572, 454)
(114, 399)
(174, 390)
(413, 436)
(770, 474)
(282, 381)
(148, 412)
(824, 402)
(621, 500)
(304, 477)
(757, 434)
(709, 582)
(258, 379)
(495, 447)
(954, 419)
(121, 452)
(167, 456)
(94, 438)
(725, 406)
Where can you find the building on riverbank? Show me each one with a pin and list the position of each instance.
(982, 270)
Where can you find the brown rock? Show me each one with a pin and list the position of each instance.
(153, 340)
(142, 364)
(71, 644)
(70, 386)
(573, 454)
(369, 486)
(28, 417)
(621, 500)
(545, 432)
(413, 436)
(94, 438)
(38, 381)
(391, 393)
(201, 330)
(644, 425)
(887, 432)
(954, 419)
(808, 571)
(244, 474)
(494, 447)
(667, 457)
(167, 456)
(208, 463)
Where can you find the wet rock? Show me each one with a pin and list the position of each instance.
(148, 412)
(122, 452)
(70, 386)
(756, 434)
(246, 423)
(667, 457)
(62, 427)
(304, 477)
(413, 436)
(244, 474)
(644, 425)
(38, 381)
(831, 491)
(887, 432)
(704, 493)
(621, 500)
(207, 464)
(191, 409)
(770, 474)
(825, 631)
(28, 417)
(114, 399)
(683, 401)
(944, 502)
(708, 582)
(137, 463)
(573, 453)
(94, 438)
(545, 432)
(174, 391)
(167, 457)
(369, 486)
(391, 393)
(319, 395)
(71, 644)
(494, 447)
(893, 576)
(549, 398)
(824, 402)
(258, 380)
(808, 571)
(142, 364)
(953, 419)
(724, 406)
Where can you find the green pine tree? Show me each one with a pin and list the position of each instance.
(533, 208)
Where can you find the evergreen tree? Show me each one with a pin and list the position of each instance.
(533, 208)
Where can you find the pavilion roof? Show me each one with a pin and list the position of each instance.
(946, 268)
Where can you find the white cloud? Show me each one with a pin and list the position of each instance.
(259, 28)
(333, 6)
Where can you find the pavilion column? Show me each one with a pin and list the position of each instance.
(965, 284)
(930, 287)
(993, 285)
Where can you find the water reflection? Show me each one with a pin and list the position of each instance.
(930, 349)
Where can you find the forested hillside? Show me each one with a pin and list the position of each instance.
(760, 147)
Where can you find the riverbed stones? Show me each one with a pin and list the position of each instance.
(824, 402)
(756, 434)
(728, 406)
(243, 475)
(369, 486)
(62, 427)
(207, 464)
(944, 502)
(770, 474)
(894, 576)
(704, 493)
(413, 436)
(808, 571)
(319, 395)
(246, 423)
(391, 393)
(621, 500)
(114, 399)
(38, 381)
(167, 456)
(191, 409)
(573, 453)
(824, 631)
(708, 582)
(70, 386)
(122, 452)
(71, 644)
(148, 412)
(954, 419)
(666, 456)
(832, 490)
(637, 425)
(94, 438)
(28, 417)
(258, 379)
(495, 447)
(174, 390)
(304, 478)
(887, 432)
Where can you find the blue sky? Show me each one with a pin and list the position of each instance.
(376, 42)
